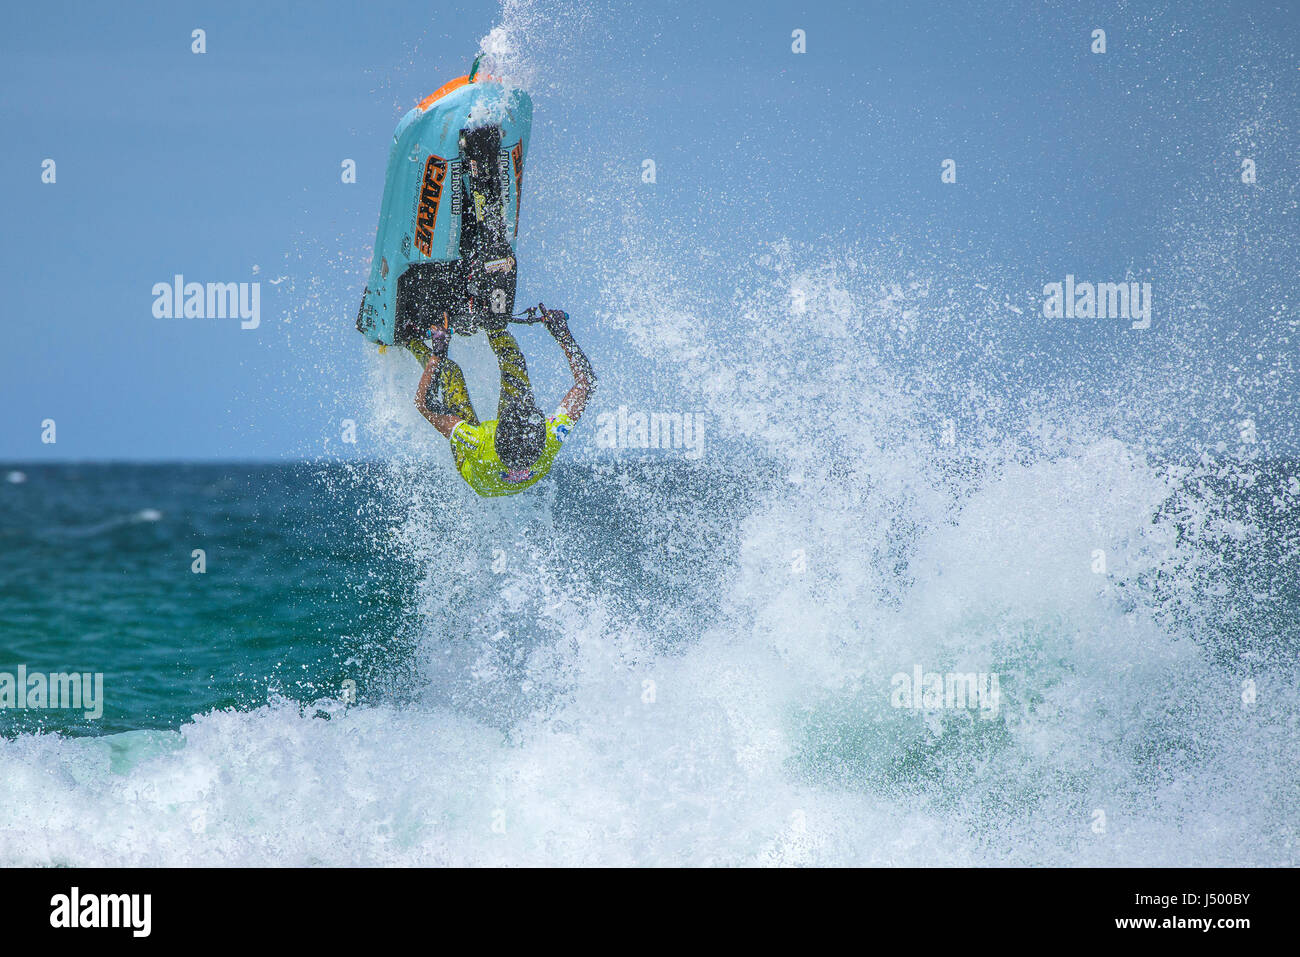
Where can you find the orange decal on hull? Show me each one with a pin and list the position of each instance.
(446, 88)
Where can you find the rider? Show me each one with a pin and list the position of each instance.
(508, 454)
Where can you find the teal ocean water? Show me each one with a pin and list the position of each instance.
(98, 575)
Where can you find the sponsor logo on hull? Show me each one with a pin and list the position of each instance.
(426, 217)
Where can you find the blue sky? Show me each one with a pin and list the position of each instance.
(220, 164)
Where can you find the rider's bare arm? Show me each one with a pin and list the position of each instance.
(444, 422)
(584, 377)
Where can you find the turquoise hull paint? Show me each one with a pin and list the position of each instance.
(435, 132)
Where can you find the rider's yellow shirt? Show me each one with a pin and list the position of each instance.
(474, 451)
